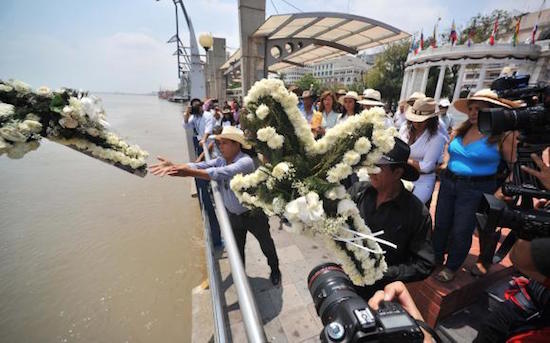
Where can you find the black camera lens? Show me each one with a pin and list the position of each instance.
(329, 287)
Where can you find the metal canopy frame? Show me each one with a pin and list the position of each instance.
(302, 38)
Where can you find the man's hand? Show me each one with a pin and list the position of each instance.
(187, 113)
(543, 174)
(396, 291)
(162, 168)
(179, 170)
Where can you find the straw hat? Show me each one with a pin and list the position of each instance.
(235, 134)
(351, 95)
(341, 91)
(485, 95)
(422, 110)
(412, 98)
(371, 97)
(444, 102)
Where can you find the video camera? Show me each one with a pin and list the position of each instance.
(532, 120)
(348, 318)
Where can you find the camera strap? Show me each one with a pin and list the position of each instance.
(520, 297)
(431, 331)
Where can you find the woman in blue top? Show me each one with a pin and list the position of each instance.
(473, 162)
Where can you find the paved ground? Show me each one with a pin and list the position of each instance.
(287, 311)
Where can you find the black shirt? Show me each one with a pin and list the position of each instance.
(407, 223)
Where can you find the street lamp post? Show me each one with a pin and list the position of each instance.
(207, 41)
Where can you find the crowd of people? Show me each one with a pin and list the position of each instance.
(432, 145)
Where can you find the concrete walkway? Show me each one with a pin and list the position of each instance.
(287, 311)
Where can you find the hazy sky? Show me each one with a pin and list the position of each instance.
(120, 45)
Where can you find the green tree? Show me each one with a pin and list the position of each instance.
(387, 73)
(482, 26)
(308, 81)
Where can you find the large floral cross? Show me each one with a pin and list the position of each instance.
(300, 177)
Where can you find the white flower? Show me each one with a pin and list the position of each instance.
(6, 110)
(19, 149)
(20, 87)
(92, 131)
(12, 134)
(306, 209)
(68, 123)
(383, 140)
(278, 205)
(44, 91)
(250, 116)
(362, 145)
(280, 170)
(237, 183)
(347, 207)
(5, 88)
(338, 192)
(363, 174)
(262, 111)
(276, 142)
(351, 157)
(3, 145)
(339, 172)
(264, 134)
(32, 125)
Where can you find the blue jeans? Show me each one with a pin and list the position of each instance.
(455, 220)
(203, 188)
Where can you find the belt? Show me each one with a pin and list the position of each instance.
(455, 177)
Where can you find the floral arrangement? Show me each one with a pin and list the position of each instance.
(65, 116)
(300, 177)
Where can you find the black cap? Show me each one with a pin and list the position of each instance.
(400, 155)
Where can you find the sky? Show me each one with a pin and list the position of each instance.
(120, 45)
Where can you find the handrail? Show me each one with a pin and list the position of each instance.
(214, 283)
(247, 303)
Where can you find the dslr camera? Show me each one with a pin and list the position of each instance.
(348, 318)
(532, 121)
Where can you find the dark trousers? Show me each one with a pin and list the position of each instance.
(203, 189)
(457, 203)
(257, 224)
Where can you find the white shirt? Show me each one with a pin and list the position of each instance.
(201, 124)
(399, 119)
(329, 119)
(426, 150)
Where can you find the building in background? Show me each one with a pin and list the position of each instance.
(480, 64)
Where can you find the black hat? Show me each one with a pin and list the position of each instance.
(400, 155)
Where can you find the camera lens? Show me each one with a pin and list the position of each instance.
(330, 287)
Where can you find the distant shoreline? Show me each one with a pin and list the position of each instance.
(123, 93)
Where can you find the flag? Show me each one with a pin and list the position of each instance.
(471, 34)
(421, 40)
(453, 36)
(516, 32)
(536, 27)
(434, 38)
(494, 33)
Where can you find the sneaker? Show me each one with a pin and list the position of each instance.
(275, 277)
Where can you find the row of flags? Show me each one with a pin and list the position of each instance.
(417, 46)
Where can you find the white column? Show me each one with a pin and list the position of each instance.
(405, 84)
(424, 79)
(482, 73)
(440, 79)
(412, 81)
(538, 69)
(459, 81)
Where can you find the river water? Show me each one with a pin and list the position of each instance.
(89, 253)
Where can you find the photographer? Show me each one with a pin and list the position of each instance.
(525, 316)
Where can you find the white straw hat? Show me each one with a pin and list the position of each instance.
(235, 134)
(422, 110)
(371, 97)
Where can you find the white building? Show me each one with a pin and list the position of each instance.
(344, 70)
(480, 64)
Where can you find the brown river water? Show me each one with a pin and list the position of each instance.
(89, 253)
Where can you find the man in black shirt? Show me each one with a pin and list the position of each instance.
(385, 204)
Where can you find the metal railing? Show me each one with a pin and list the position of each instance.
(247, 303)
